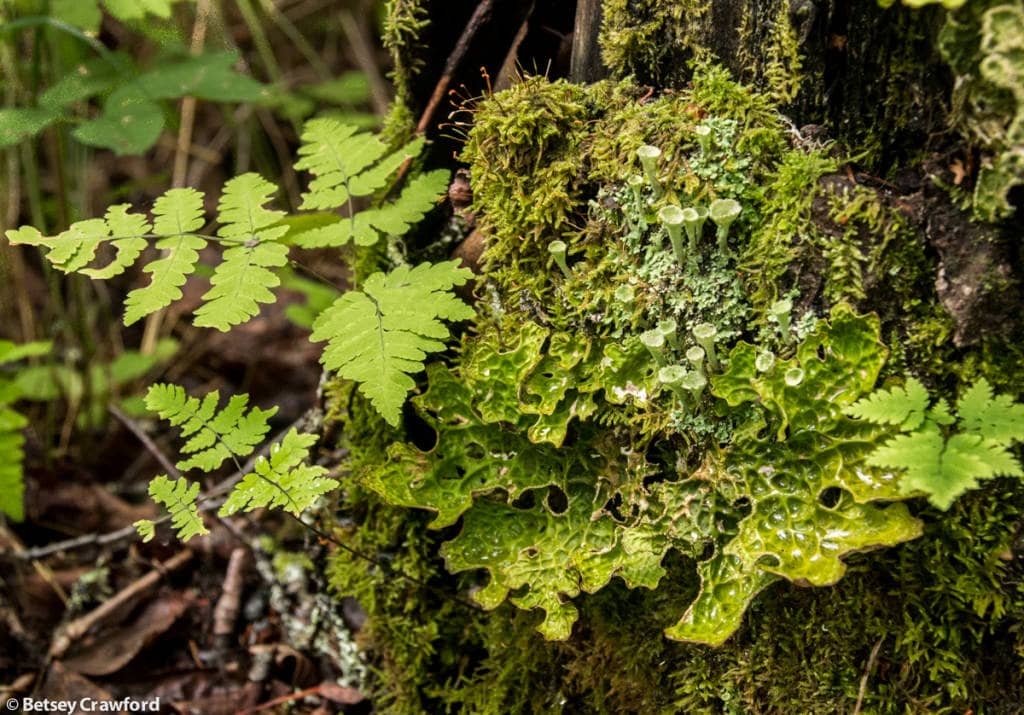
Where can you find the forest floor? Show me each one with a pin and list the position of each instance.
(88, 611)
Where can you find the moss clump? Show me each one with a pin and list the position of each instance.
(526, 166)
(644, 37)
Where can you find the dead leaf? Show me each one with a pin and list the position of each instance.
(62, 684)
(112, 652)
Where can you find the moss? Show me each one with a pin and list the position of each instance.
(642, 37)
(404, 23)
(524, 151)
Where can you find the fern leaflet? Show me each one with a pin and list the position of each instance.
(12, 479)
(284, 480)
(941, 463)
(178, 215)
(366, 227)
(12, 483)
(212, 436)
(380, 336)
(243, 279)
(179, 498)
(347, 164)
(903, 406)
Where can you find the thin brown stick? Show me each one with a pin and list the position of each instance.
(862, 691)
(154, 322)
(80, 626)
(476, 20)
(40, 568)
(150, 446)
(209, 502)
(225, 613)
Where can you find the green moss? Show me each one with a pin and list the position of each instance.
(404, 23)
(524, 151)
(641, 37)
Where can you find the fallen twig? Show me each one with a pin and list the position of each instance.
(862, 691)
(148, 443)
(225, 613)
(80, 626)
(209, 501)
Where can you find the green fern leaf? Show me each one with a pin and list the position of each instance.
(342, 160)
(212, 436)
(75, 248)
(178, 215)
(995, 418)
(12, 484)
(903, 406)
(128, 232)
(12, 352)
(284, 480)
(944, 469)
(366, 227)
(243, 279)
(380, 336)
(146, 529)
(179, 498)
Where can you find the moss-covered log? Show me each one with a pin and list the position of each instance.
(645, 448)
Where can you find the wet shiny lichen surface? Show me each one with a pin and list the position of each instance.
(646, 453)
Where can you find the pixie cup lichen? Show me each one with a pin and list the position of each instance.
(794, 376)
(557, 249)
(693, 221)
(704, 134)
(668, 328)
(723, 212)
(780, 310)
(705, 335)
(635, 182)
(649, 156)
(654, 341)
(765, 361)
(694, 383)
(671, 218)
(696, 357)
(673, 377)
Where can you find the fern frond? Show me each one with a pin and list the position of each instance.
(243, 280)
(74, 249)
(128, 233)
(380, 336)
(178, 214)
(284, 480)
(179, 498)
(395, 218)
(12, 483)
(212, 436)
(903, 406)
(341, 157)
(937, 463)
(993, 417)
